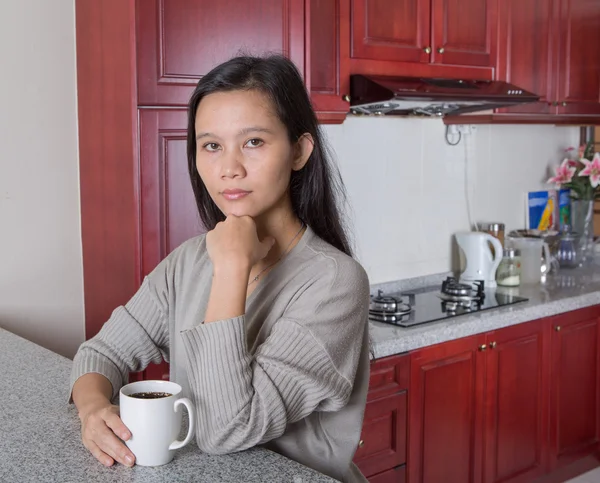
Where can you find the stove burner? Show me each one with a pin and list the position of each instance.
(454, 290)
(390, 305)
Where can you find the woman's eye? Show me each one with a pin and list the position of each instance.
(254, 143)
(211, 147)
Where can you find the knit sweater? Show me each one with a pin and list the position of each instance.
(290, 374)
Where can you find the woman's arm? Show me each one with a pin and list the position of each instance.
(135, 335)
(307, 363)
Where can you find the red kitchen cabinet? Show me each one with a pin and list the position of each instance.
(424, 37)
(328, 67)
(397, 31)
(167, 204)
(552, 48)
(395, 475)
(516, 407)
(509, 406)
(383, 439)
(527, 34)
(381, 452)
(446, 412)
(578, 75)
(178, 41)
(464, 32)
(575, 386)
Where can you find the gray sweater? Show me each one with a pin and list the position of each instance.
(291, 374)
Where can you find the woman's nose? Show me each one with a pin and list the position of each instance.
(231, 165)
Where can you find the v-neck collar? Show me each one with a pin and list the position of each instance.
(261, 282)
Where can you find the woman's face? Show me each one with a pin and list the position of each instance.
(243, 153)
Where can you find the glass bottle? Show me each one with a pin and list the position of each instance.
(509, 270)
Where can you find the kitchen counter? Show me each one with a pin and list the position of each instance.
(40, 434)
(569, 289)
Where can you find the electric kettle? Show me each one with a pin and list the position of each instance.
(477, 258)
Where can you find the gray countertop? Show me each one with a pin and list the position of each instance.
(569, 289)
(40, 434)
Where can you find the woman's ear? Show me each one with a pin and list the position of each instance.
(302, 151)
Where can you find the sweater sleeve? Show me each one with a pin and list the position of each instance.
(308, 363)
(135, 335)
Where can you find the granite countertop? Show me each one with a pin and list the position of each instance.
(40, 434)
(568, 289)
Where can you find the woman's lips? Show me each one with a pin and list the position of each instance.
(233, 195)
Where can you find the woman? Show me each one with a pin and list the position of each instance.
(264, 318)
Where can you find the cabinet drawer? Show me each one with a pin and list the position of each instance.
(395, 475)
(383, 439)
(388, 376)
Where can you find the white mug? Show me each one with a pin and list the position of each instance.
(154, 423)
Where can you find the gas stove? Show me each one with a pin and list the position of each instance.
(452, 299)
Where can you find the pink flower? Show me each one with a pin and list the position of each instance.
(564, 173)
(569, 149)
(581, 151)
(592, 169)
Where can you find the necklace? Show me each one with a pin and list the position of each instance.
(279, 259)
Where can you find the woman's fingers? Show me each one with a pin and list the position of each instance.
(114, 422)
(97, 434)
(98, 453)
(113, 447)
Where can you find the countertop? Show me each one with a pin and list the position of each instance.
(40, 434)
(568, 289)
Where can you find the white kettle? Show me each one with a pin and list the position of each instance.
(477, 257)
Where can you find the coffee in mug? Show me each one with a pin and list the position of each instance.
(150, 395)
(150, 410)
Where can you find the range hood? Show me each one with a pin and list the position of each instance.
(418, 96)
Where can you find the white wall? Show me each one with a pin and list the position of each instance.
(41, 278)
(406, 186)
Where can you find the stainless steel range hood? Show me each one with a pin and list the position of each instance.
(405, 96)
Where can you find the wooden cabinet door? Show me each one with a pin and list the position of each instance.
(383, 439)
(516, 414)
(396, 30)
(575, 388)
(526, 50)
(446, 412)
(328, 68)
(167, 204)
(395, 475)
(464, 32)
(178, 41)
(578, 56)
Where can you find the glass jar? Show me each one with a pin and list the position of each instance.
(509, 270)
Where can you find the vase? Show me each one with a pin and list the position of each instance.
(582, 221)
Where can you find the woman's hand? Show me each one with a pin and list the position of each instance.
(234, 243)
(100, 426)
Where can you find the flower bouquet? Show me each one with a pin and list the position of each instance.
(580, 173)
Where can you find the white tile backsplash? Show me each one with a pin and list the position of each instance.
(406, 185)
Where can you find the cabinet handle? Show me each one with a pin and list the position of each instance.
(564, 104)
(361, 443)
(492, 345)
(557, 328)
(555, 103)
(482, 347)
(427, 50)
(441, 50)
(346, 98)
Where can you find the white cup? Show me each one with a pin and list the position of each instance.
(154, 423)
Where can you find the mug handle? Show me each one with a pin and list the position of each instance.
(190, 434)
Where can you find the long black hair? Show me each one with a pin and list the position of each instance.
(317, 191)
